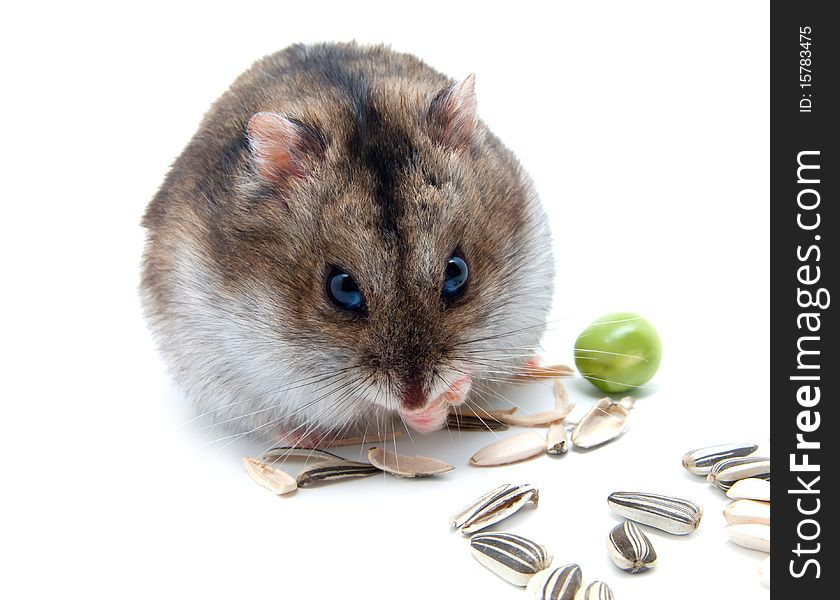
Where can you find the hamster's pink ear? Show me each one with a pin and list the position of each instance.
(283, 148)
(452, 116)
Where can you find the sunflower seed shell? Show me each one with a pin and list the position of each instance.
(539, 419)
(561, 396)
(284, 452)
(750, 489)
(498, 507)
(630, 549)
(512, 557)
(537, 372)
(747, 511)
(271, 478)
(460, 517)
(406, 466)
(509, 450)
(561, 583)
(764, 571)
(701, 461)
(333, 470)
(367, 439)
(674, 515)
(557, 439)
(598, 590)
(606, 421)
(750, 535)
(725, 473)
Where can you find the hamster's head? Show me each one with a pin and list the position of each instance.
(398, 256)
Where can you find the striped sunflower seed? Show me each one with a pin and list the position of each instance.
(701, 461)
(326, 471)
(512, 557)
(674, 515)
(561, 583)
(494, 506)
(474, 422)
(725, 473)
(750, 489)
(750, 535)
(271, 478)
(460, 517)
(747, 511)
(598, 590)
(630, 549)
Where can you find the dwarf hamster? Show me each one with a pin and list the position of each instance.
(343, 244)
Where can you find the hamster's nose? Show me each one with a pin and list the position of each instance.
(413, 397)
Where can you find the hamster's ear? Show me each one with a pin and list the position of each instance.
(283, 148)
(452, 118)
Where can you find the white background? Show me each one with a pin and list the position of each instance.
(645, 127)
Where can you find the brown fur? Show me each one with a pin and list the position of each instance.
(387, 202)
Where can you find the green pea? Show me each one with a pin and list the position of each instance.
(619, 351)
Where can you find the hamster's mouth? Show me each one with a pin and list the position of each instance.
(433, 415)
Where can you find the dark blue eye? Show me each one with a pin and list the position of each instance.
(344, 292)
(455, 278)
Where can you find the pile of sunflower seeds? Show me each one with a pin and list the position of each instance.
(328, 467)
(629, 548)
(517, 559)
(605, 421)
(745, 478)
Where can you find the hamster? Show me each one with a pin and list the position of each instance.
(341, 246)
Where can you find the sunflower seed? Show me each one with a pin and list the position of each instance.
(728, 471)
(512, 557)
(332, 470)
(628, 402)
(474, 422)
(561, 583)
(460, 517)
(539, 419)
(598, 590)
(764, 571)
(367, 439)
(747, 511)
(490, 509)
(750, 489)
(674, 515)
(701, 461)
(603, 423)
(557, 438)
(750, 535)
(406, 466)
(630, 549)
(283, 452)
(271, 478)
(536, 372)
(577, 414)
(510, 450)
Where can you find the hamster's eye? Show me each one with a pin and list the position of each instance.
(344, 292)
(455, 278)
